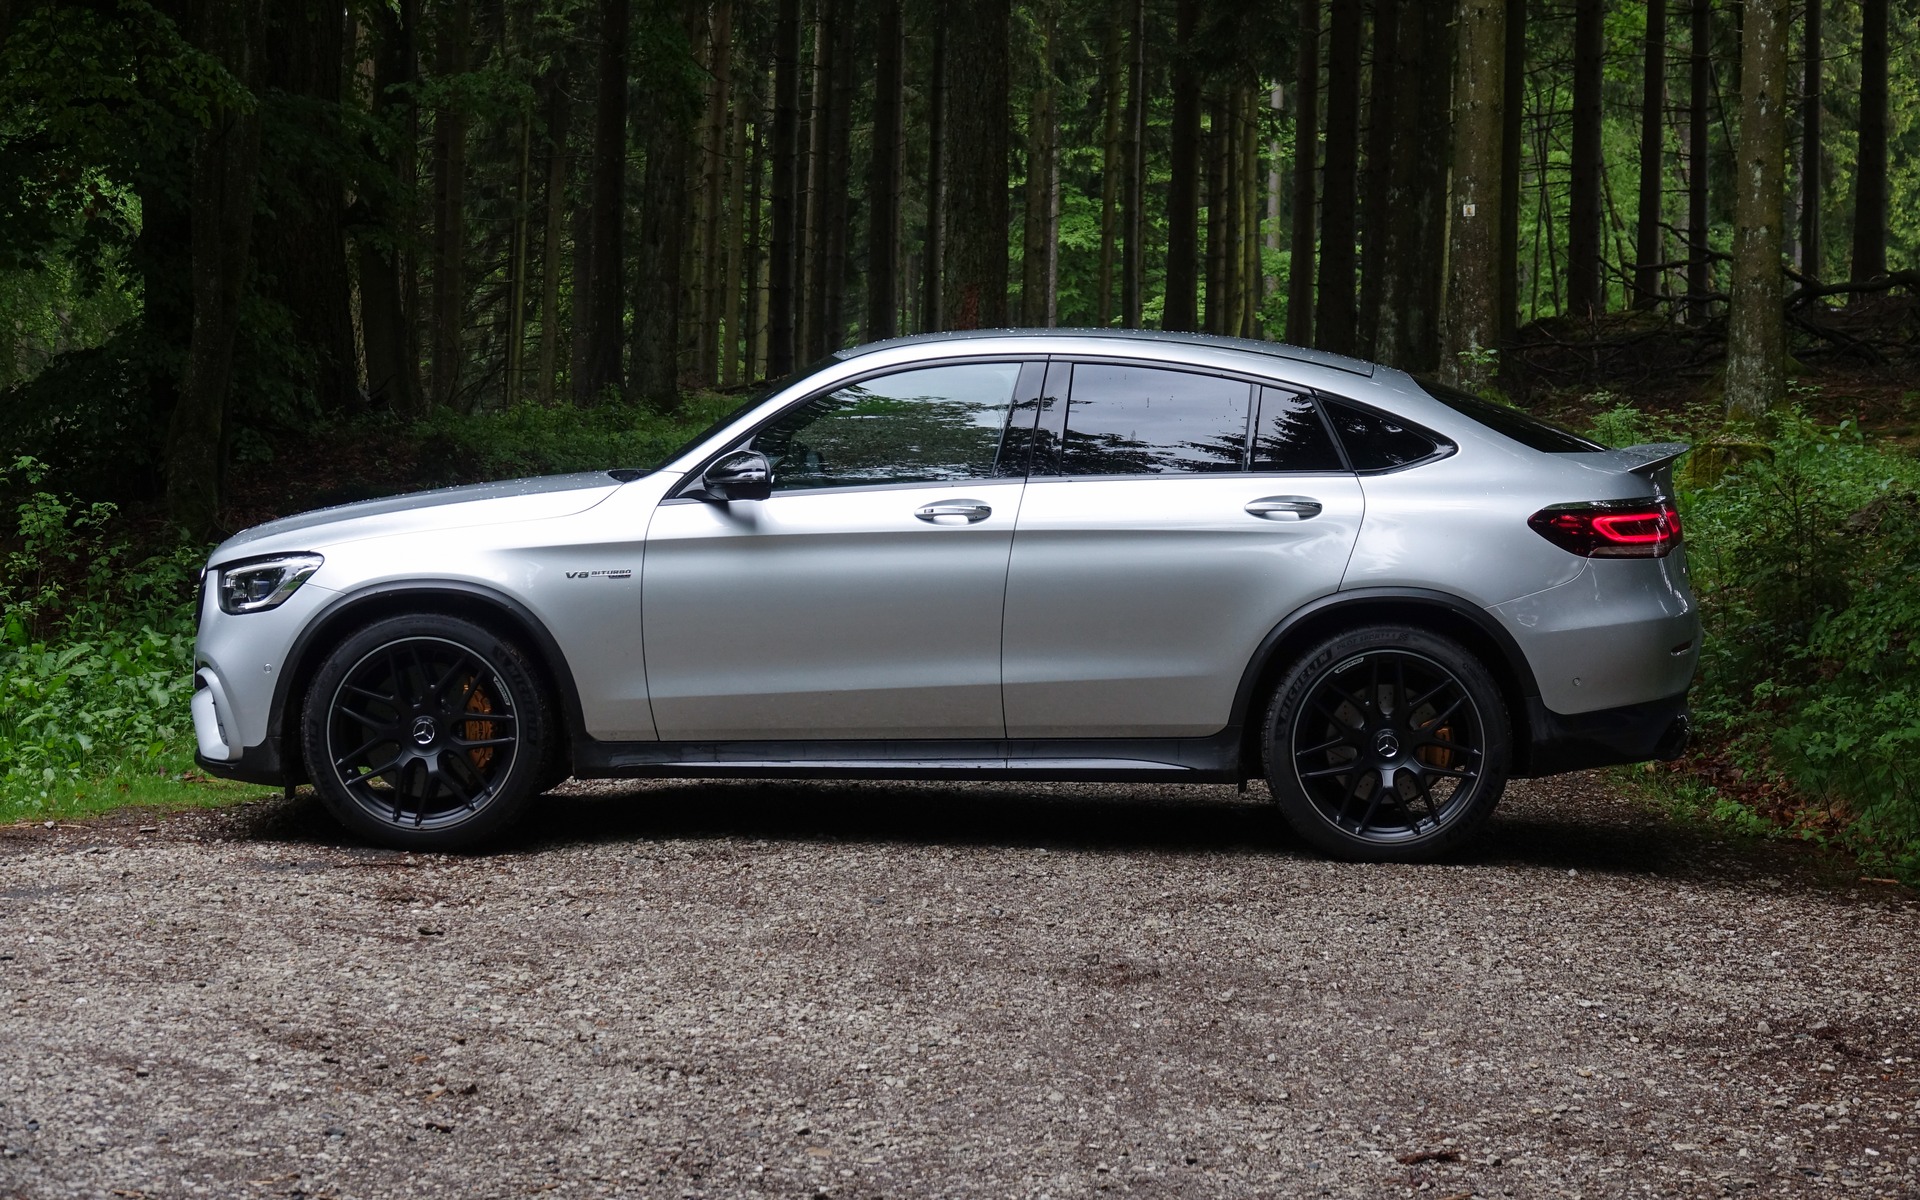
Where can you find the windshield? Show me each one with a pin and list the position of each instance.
(754, 399)
(1523, 427)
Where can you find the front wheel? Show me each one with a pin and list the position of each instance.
(1387, 744)
(427, 733)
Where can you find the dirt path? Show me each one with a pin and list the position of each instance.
(883, 991)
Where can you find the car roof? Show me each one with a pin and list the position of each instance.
(1211, 341)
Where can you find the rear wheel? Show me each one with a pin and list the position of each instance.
(1387, 744)
(427, 733)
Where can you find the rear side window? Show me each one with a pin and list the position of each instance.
(1127, 420)
(1530, 431)
(1377, 442)
(1288, 435)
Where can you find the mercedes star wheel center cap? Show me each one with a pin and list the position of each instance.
(423, 731)
(1386, 745)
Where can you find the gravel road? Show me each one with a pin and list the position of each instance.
(847, 990)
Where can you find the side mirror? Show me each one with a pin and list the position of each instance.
(742, 475)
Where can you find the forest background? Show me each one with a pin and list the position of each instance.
(258, 255)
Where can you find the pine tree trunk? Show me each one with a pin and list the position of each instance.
(1406, 335)
(1473, 283)
(813, 242)
(1306, 140)
(756, 297)
(1812, 254)
(1378, 171)
(1585, 296)
(977, 217)
(1183, 184)
(883, 176)
(1756, 326)
(1133, 198)
(1333, 309)
(1111, 163)
(1276, 103)
(783, 203)
(831, 332)
(1511, 140)
(559, 113)
(222, 184)
(738, 236)
(1252, 180)
(1218, 215)
(1037, 226)
(1870, 173)
(600, 362)
(713, 196)
(665, 207)
(1699, 153)
(1648, 253)
(393, 361)
(934, 273)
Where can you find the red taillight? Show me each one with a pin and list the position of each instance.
(1611, 528)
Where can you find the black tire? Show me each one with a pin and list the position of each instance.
(1420, 722)
(428, 733)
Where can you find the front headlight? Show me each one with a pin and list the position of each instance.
(264, 583)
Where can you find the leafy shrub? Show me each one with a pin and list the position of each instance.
(530, 440)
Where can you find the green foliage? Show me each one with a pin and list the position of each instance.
(96, 647)
(1806, 562)
(530, 440)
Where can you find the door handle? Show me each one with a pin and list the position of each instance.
(967, 510)
(1284, 508)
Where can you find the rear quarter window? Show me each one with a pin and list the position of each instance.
(1375, 441)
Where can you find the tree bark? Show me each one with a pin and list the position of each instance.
(1407, 335)
(222, 188)
(1699, 153)
(1183, 184)
(883, 175)
(665, 207)
(933, 283)
(559, 119)
(1306, 140)
(1219, 142)
(1653, 92)
(831, 330)
(1812, 253)
(1870, 173)
(1473, 285)
(1756, 325)
(600, 361)
(738, 236)
(1511, 140)
(1133, 198)
(393, 360)
(1585, 292)
(1379, 171)
(715, 154)
(783, 199)
(1037, 227)
(1334, 318)
(1111, 163)
(976, 285)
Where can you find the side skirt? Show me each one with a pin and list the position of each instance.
(1213, 759)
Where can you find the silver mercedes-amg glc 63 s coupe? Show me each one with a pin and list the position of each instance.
(1007, 555)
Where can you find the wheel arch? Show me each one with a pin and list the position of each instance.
(453, 598)
(1439, 612)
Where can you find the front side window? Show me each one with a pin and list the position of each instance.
(1126, 420)
(930, 425)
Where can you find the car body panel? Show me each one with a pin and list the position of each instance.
(1133, 603)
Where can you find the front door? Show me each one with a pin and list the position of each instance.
(863, 599)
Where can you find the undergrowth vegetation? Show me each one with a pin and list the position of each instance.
(1804, 546)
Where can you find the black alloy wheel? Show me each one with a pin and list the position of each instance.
(426, 733)
(1387, 743)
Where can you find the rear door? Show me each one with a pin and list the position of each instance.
(863, 598)
(1171, 520)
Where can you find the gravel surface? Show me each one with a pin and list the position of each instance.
(848, 990)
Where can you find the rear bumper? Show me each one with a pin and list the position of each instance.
(1657, 729)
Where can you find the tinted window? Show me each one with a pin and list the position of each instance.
(1530, 431)
(1146, 421)
(1289, 435)
(1375, 441)
(924, 426)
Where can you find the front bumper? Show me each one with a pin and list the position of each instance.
(1656, 730)
(262, 764)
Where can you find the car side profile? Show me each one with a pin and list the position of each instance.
(1001, 555)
